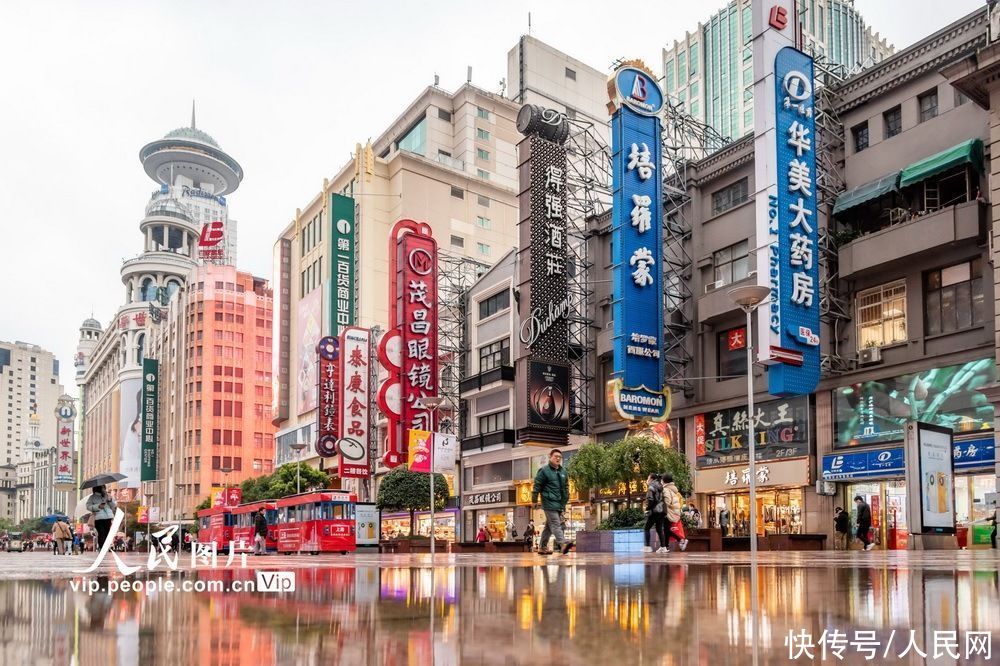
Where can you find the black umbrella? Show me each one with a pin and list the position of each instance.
(102, 480)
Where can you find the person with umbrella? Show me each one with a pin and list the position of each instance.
(103, 506)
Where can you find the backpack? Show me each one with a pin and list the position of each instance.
(658, 505)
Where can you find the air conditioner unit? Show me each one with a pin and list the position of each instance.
(712, 286)
(870, 356)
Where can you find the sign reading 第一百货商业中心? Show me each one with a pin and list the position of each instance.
(637, 228)
(150, 419)
(787, 224)
(343, 240)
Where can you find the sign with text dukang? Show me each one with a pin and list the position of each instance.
(637, 232)
(785, 145)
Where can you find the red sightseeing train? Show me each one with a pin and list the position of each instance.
(243, 528)
(215, 525)
(316, 522)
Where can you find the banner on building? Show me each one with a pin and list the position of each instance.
(419, 444)
(781, 431)
(409, 349)
(210, 246)
(328, 396)
(637, 228)
(65, 417)
(150, 419)
(543, 377)
(281, 330)
(343, 251)
(445, 453)
(788, 326)
(232, 496)
(130, 424)
(355, 402)
(310, 317)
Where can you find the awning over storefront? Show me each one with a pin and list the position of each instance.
(866, 192)
(967, 152)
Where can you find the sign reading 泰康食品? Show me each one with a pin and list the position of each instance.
(355, 402)
(343, 239)
(781, 431)
(637, 227)
(150, 418)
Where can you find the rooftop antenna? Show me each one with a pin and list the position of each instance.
(468, 74)
(437, 79)
(529, 23)
(193, 126)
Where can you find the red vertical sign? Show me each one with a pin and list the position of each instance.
(410, 350)
(328, 421)
(355, 399)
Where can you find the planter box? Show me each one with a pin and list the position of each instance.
(413, 546)
(610, 541)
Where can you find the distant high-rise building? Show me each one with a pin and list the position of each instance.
(710, 70)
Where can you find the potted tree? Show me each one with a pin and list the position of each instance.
(403, 490)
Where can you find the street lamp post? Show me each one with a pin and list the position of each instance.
(297, 447)
(432, 403)
(748, 298)
(225, 485)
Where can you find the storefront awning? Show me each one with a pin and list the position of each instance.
(866, 192)
(967, 152)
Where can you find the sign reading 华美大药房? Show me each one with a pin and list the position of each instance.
(781, 431)
(343, 240)
(150, 418)
(637, 229)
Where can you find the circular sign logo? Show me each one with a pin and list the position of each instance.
(420, 261)
(639, 91)
(884, 456)
(343, 227)
(328, 347)
(352, 449)
(65, 411)
(327, 446)
(797, 85)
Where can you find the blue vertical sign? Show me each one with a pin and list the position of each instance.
(794, 226)
(637, 236)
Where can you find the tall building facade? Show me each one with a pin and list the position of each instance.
(194, 175)
(710, 71)
(214, 352)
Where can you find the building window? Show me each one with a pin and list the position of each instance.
(928, 103)
(482, 135)
(444, 115)
(732, 353)
(494, 354)
(483, 201)
(482, 154)
(483, 222)
(457, 241)
(457, 192)
(495, 303)
(960, 99)
(485, 175)
(732, 263)
(730, 196)
(483, 248)
(482, 113)
(953, 297)
(860, 134)
(881, 315)
(893, 121)
(415, 139)
(149, 290)
(493, 423)
(570, 74)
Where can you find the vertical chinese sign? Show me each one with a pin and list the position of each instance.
(637, 233)
(327, 396)
(409, 349)
(543, 371)
(281, 330)
(150, 418)
(343, 239)
(787, 224)
(65, 414)
(355, 408)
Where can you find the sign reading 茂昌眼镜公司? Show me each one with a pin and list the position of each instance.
(637, 228)
(343, 239)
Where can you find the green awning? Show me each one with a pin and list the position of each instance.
(967, 152)
(866, 192)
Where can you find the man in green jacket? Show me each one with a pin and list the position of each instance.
(552, 484)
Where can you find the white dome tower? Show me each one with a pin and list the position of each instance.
(90, 333)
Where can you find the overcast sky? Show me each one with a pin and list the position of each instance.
(285, 88)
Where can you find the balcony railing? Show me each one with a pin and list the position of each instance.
(498, 374)
(477, 442)
(452, 162)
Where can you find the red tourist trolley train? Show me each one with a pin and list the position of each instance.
(314, 522)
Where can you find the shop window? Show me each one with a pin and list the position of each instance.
(732, 353)
(953, 297)
(928, 103)
(730, 196)
(892, 121)
(881, 315)
(498, 472)
(494, 422)
(860, 134)
(494, 304)
(732, 263)
(494, 355)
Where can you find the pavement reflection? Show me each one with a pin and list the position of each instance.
(568, 611)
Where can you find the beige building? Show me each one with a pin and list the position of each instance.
(449, 159)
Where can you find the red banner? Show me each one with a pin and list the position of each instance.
(410, 350)
(327, 417)
(355, 402)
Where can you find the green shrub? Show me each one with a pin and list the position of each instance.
(624, 519)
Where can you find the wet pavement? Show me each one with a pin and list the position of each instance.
(682, 608)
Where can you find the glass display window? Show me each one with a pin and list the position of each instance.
(778, 512)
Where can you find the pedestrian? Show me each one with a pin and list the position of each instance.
(103, 507)
(695, 514)
(672, 503)
(841, 527)
(260, 532)
(552, 484)
(724, 521)
(482, 536)
(61, 535)
(655, 513)
(864, 522)
(77, 544)
(529, 534)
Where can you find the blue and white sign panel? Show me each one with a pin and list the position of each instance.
(793, 273)
(637, 236)
(875, 463)
(973, 454)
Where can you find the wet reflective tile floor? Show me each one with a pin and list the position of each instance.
(509, 609)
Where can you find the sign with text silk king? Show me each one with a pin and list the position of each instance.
(637, 241)
(542, 376)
